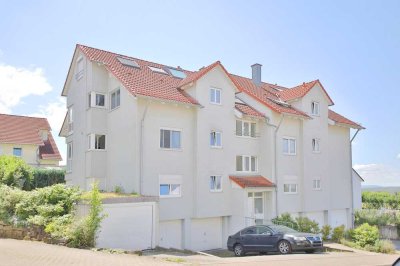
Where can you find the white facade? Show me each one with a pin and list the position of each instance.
(193, 216)
(357, 192)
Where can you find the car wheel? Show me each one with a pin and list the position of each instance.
(284, 247)
(310, 251)
(238, 250)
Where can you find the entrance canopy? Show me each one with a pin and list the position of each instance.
(251, 181)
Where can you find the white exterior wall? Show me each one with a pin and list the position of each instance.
(357, 191)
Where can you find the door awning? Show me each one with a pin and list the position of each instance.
(252, 181)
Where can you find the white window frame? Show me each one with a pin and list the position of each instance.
(316, 145)
(93, 100)
(70, 153)
(317, 184)
(70, 120)
(289, 152)
(170, 195)
(249, 157)
(315, 108)
(22, 152)
(119, 102)
(92, 141)
(252, 133)
(213, 183)
(215, 144)
(180, 138)
(213, 94)
(290, 186)
(80, 69)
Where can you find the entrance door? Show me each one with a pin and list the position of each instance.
(256, 207)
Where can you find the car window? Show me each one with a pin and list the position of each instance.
(249, 231)
(264, 231)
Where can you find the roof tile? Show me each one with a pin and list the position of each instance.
(251, 181)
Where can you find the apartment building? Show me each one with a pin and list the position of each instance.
(221, 151)
(29, 138)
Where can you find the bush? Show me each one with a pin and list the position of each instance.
(287, 220)
(366, 235)
(15, 172)
(338, 233)
(375, 217)
(384, 246)
(380, 200)
(9, 198)
(326, 232)
(83, 233)
(349, 234)
(306, 225)
(47, 177)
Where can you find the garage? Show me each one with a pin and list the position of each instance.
(170, 233)
(206, 233)
(338, 217)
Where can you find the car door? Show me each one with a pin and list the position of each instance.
(248, 238)
(266, 238)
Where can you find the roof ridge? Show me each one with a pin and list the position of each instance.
(25, 116)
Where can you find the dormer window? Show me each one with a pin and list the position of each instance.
(315, 108)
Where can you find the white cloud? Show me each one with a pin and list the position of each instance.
(17, 83)
(379, 174)
(398, 156)
(54, 111)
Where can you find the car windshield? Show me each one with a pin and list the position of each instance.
(282, 229)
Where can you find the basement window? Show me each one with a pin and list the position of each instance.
(158, 70)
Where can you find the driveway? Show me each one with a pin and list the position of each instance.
(22, 253)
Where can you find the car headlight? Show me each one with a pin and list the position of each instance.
(300, 238)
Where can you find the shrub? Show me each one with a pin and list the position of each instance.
(15, 172)
(9, 198)
(47, 177)
(83, 233)
(384, 246)
(366, 235)
(375, 217)
(380, 200)
(349, 234)
(287, 220)
(338, 233)
(326, 232)
(307, 225)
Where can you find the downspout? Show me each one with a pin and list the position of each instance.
(141, 148)
(275, 159)
(351, 179)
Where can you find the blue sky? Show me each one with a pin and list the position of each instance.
(353, 47)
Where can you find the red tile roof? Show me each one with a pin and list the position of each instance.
(343, 120)
(301, 90)
(26, 130)
(251, 181)
(247, 110)
(141, 81)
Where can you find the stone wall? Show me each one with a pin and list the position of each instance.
(35, 233)
(388, 232)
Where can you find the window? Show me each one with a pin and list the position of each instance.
(170, 190)
(289, 146)
(79, 68)
(158, 70)
(315, 108)
(290, 188)
(262, 230)
(115, 99)
(97, 99)
(215, 96)
(315, 145)
(17, 152)
(69, 157)
(245, 129)
(170, 139)
(317, 184)
(246, 163)
(249, 231)
(97, 142)
(215, 139)
(215, 183)
(70, 120)
(177, 73)
(128, 62)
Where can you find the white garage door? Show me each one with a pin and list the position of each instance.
(171, 234)
(206, 233)
(316, 216)
(337, 218)
(127, 226)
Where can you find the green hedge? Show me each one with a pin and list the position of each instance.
(380, 200)
(47, 177)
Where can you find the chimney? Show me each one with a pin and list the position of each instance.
(256, 73)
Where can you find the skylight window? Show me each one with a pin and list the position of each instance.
(158, 70)
(128, 62)
(177, 73)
